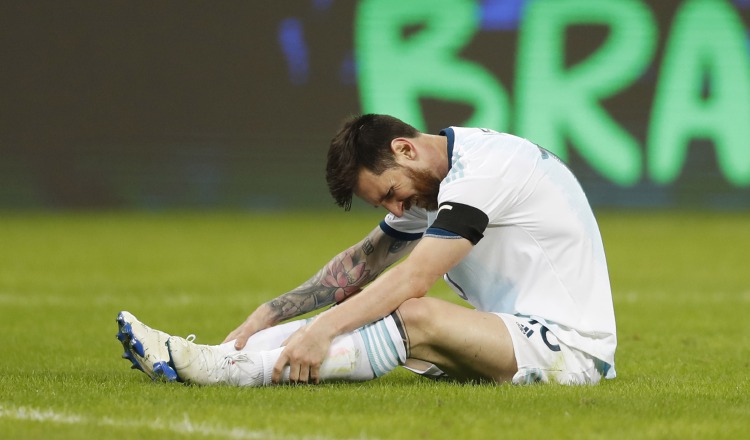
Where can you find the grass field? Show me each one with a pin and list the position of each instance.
(681, 290)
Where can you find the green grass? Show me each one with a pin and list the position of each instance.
(681, 292)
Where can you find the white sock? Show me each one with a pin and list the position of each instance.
(364, 354)
(384, 346)
(270, 338)
(346, 360)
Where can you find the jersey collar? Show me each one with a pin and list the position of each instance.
(448, 132)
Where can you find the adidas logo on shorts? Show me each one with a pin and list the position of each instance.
(525, 330)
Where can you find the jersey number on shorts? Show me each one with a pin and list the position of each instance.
(543, 333)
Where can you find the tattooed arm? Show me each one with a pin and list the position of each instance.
(345, 275)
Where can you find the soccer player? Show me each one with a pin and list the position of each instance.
(502, 220)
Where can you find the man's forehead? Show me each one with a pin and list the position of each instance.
(370, 185)
(366, 179)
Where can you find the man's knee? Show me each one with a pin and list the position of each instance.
(418, 314)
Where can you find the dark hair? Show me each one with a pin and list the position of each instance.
(364, 142)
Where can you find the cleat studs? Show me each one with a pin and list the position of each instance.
(163, 372)
(120, 320)
(137, 347)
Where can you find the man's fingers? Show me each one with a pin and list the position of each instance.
(304, 374)
(295, 371)
(315, 374)
(242, 338)
(278, 368)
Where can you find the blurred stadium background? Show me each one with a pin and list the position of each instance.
(230, 105)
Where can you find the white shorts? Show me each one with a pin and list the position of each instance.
(542, 358)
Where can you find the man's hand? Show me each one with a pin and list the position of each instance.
(257, 321)
(305, 351)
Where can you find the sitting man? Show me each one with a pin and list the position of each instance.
(502, 220)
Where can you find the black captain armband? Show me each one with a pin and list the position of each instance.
(457, 220)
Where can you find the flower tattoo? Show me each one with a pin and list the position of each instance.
(346, 277)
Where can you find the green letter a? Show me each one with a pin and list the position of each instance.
(707, 43)
(555, 103)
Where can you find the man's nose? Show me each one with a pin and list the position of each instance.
(395, 208)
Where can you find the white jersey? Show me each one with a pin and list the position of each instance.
(541, 255)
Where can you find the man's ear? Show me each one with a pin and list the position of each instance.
(403, 148)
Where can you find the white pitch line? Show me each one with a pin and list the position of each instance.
(185, 426)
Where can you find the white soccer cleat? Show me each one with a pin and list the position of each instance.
(145, 347)
(212, 365)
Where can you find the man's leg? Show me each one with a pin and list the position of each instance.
(146, 348)
(364, 354)
(464, 343)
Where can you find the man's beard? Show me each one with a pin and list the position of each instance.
(427, 187)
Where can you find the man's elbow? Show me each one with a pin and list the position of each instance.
(419, 282)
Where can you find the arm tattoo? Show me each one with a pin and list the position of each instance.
(397, 245)
(342, 277)
(345, 275)
(367, 247)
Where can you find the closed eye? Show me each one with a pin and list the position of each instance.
(387, 195)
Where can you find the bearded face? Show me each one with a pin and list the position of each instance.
(426, 186)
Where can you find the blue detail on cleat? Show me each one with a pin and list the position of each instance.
(122, 337)
(137, 346)
(135, 352)
(125, 336)
(163, 371)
